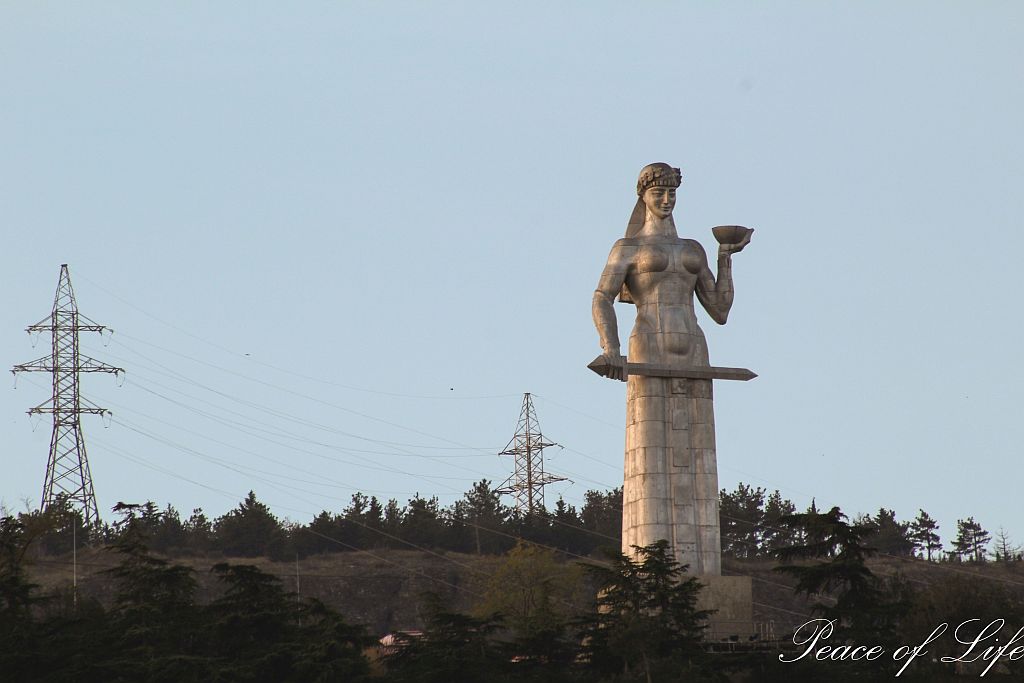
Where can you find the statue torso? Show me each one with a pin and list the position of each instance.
(661, 278)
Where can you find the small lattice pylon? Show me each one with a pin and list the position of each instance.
(528, 479)
(67, 468)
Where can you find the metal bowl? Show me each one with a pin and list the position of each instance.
(730, 234)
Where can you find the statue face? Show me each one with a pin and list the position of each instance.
(660, 201)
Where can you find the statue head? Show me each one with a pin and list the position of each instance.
(652, 175)
(658, 175)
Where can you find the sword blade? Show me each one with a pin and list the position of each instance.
(601, 367)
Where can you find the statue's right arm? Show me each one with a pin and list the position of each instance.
(612, 279)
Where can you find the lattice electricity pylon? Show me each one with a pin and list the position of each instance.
(67, 469)
(529, 479)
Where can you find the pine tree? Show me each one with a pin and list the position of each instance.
(864, 610)
(891, 537)
(602, 514)
(57, 528)
(392, 522)
(647, 619)
(971, 540)
(353, 529)
(322, 535)
(16, 596)
(258, 632)
(741, 515)
(249, 530)
(923, 534)
(198, 531)
(485, 516)
(773, 534)
(374, 513)
(152, 621)
(452, 647)
(421, 522)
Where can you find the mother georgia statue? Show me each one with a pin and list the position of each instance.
(670, 487)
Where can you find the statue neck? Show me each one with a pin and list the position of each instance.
(654, 226)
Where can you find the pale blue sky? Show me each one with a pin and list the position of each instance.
(284, 208)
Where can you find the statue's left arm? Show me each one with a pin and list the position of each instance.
(715, 294)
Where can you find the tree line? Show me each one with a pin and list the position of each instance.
(750, 520)
(481, 523)
(477, 523)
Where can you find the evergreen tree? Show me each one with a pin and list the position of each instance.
(392, 522)
(198, 532)
(249, 530)
(452, 647)
(322, 535)
(484, 514)
(601, 514)
(741, 516)
(646, 622)
(151, 626)
(775, 535)
(57, 529)
(864, 609)
(568, 532)
(353, 526)
(923, 534)
(375, 518)
(891, 537)
(16, 597)
(971, 540)
(421, 522)
(258, 633)
(167, 533)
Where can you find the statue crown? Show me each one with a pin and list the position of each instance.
(658, 175)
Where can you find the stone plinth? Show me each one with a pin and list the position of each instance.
(670, 488)
(732, 598)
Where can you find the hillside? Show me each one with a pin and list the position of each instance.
(383, 589)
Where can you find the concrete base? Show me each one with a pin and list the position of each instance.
(732, 597)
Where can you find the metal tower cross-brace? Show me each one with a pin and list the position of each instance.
(528, 480)
(67, 469)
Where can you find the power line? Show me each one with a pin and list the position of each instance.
(298, 393)
(181, 377)
(290, 371)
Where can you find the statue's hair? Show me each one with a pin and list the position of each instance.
(658, 175)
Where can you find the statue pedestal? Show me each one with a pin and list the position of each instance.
(732, 597)
(670, 483)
